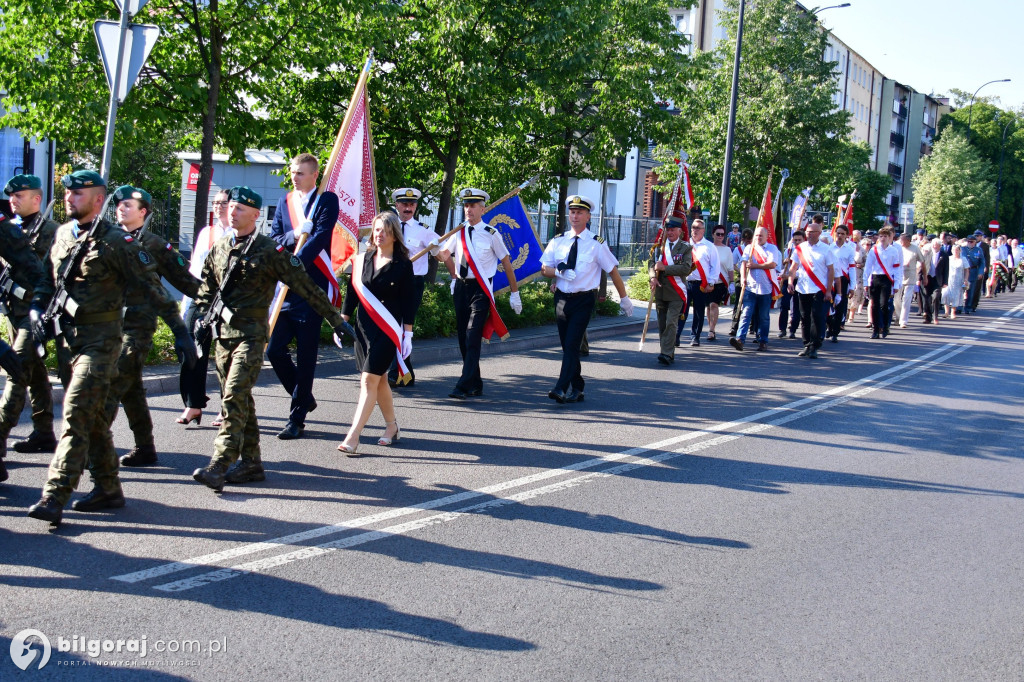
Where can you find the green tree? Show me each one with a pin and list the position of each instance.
(851, 171)
(954, 188)
(785, 116)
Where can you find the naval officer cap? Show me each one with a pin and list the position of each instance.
(406, 194)
(22, 182)
(128, 192)
(580, 201)
(242, 194)
(83, 179)
(472, 194)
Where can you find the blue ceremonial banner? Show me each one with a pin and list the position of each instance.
(510, 219)
(796, 216)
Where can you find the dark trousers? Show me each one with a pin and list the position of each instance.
(472, 306)
(788, 310)
(836, 320)
(417, 285)
(297, 376)
(696, 300)
(192, 381)
(881, 298)
(812, 318)
(931, 298)
(737, 313)
(572, 313)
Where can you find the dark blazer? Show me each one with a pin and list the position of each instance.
(941, 268)
(282, 231)
(392, 285)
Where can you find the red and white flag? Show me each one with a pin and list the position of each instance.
(323, 264)
(766, 217)
(350, 174)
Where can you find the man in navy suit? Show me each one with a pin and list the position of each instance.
(302, 211)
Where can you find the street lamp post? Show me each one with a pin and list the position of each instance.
(970, 113)
(1002, 156)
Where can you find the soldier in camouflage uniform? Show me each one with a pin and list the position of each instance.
(140, 315)
(88, 342)
(242, 330)
(26, 195)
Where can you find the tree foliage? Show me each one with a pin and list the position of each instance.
(954, 188)
(849, 172)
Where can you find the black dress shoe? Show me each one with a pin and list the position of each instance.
(97, 500)
(664, 359)
(762, 346)
(885, 333)
(792, 335)
(736, 343)
(312, 406)
(458, 394)
(694, 341)
(813, 353)
(47, 509)
(291, 431)
(213, 476)
(3, 471)
(475, 393)
(782, 335)
(37, 442)
(574, 396)
(874, 335)
(245, 471)
(557, 395)
(805, 352)
(144, 456)
(835, 339)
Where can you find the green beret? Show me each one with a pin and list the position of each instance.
(23, 181)
(83, 179)
(246, 196)
(128, 192)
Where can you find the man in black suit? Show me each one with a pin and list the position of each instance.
(937, 264)
(302, 211)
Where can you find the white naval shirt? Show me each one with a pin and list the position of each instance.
(820, 256)
(892, 258)
(488, 247)
(705, 252)
(417, 238)
(592, 257)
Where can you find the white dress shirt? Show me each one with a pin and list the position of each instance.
(891, 258)
(488, 247)
(758, 281)
(706, 254)
(417, 238)
(846, 256)
(820, 257)
(592, 257)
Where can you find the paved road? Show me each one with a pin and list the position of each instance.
(734, 516)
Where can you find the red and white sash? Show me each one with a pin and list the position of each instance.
(493, 325)
(700, 269)
(323, 264)
(881, 264)
(295, 211)
(761, 259)
(380, 315)
(806, 263)
(675, 281)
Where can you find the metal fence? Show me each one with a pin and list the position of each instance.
(162, 224)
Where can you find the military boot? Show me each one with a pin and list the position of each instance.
(97, 500)
(47, 509)
(37, 442)
(140, 456)
(245, 471)
(212, 476)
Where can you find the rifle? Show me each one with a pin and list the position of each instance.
(61, 302)
(217, 309)
(8, 287)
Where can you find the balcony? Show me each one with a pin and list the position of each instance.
(897, 139)
(896, 171)
(899, 109)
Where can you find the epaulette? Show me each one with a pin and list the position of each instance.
(599, 239)
(490, 229)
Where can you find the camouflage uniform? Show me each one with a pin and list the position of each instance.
(239, 344)
(88, 348)
(38, 379)
(140, 321)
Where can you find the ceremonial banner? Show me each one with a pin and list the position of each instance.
(796, 216)
(350, 174)
(765, 218)
(510, 219)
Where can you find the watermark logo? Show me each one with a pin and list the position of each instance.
(23, 653)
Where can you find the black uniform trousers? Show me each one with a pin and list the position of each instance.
(417, 285)
(931, 299)
(881, 297)
(572, 313)
(303, 325)
(836, 320)
(192, 380)
(789, 310)
(813, 310)
(472, 306)
(698, 301)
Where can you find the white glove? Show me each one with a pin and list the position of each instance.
(732, 289)
(307, 227)
(337, 342)
(516, 302)
(433, 246)
(407, 344)
(567, 275)
(627, 306)
(453, 287)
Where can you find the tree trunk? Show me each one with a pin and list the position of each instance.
(441, 226)
(209, 127)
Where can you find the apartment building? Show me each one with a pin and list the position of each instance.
(858, 90)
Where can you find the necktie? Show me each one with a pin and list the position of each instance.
(570, 262)
(464, 268)
(403, 229)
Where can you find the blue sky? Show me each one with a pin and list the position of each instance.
(935, 45)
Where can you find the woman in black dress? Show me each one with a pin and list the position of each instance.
(385, 272)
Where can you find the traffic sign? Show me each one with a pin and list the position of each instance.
(133, 7)
(994, 226)
(906, 215)
(138, 43)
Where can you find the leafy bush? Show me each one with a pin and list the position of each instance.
(639, 286)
